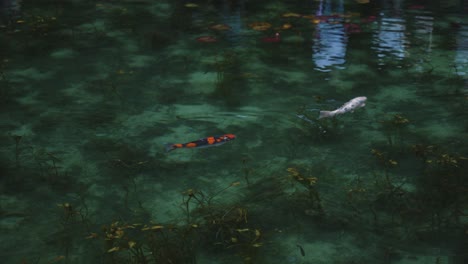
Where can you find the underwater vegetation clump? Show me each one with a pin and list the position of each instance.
(420, 206)
(146, 243)
(229, 85)
(395, 128)
(210, 224)
(314, 202)
(443, 185)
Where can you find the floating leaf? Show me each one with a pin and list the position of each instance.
(286, 26)
(260, 26)
(309, 16)
(233, 240)
(194, 225)
(205, 39)
(290, 14)
(191, 5)
(257, 245)
(220, 27)
(242, 230)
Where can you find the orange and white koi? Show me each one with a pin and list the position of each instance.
(201, 143)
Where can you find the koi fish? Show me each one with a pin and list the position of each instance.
(349, 106)
(201, 143)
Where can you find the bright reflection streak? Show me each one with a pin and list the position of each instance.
(329, 48)
(461, 58)
(390, 38)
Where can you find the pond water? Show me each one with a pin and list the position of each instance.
(91, 92)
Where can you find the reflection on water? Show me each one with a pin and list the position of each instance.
(424, 24)
(329, 47)
(231, 15)
(390, 40)
(461, 58)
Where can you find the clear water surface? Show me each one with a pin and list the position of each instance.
(91, 91)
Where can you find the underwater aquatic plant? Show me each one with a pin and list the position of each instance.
(308, 182)
(385, 161)
(394, 127)
(246, 170)
(145, 243)
(4, 82)
(17, 139)
(229, 83)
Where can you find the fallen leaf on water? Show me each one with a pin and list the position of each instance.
(290, 14)
(131, 244)
(191, 5)
(260, 26)
(220, 27)
(286, 26)
(309, 16)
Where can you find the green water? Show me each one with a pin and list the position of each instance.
(90, 91)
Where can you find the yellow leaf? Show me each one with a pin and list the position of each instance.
(119, 233)
(20, 21)
(242, 230)
(234, 240)
(257, 245)
(191, 5)
(291, 15)
(131, 244)
(257, 233)
(113, 249)
(286, 26)
(194, 225)
(235, 183)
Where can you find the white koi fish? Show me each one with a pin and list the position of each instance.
(350, 106)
